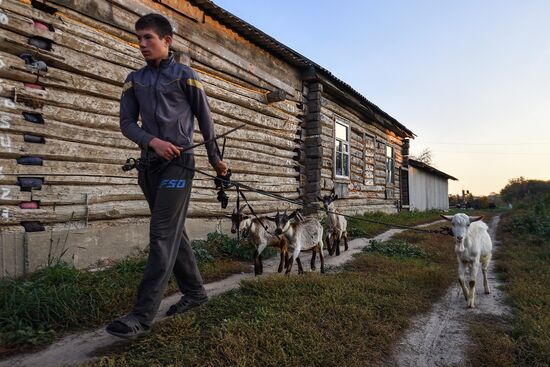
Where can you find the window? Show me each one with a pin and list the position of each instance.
(390, 165)
(341, 149)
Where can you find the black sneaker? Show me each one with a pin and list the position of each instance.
(128, 327)
(185, 304)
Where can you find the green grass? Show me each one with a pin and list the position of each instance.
(523, 262)
(38, 309)
(359, 228)
(350, 318)
(399, 248)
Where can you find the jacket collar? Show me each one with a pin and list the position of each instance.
(164, 63)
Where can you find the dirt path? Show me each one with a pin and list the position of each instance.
(440, 338)
(84, 346)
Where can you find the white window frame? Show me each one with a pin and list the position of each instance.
(338, 120)
(390, 184)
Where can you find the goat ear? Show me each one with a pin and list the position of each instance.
(293, 214)
(447, 217)
(476, 218)
(270, 218)
(335, 197)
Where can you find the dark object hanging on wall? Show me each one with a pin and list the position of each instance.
(31, 138)
(40, 42)
(30, 161)
(29, 183)
(34, 65)
(35, 118)
(29, 205)
(33, 226)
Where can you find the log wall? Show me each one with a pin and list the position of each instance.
(89, 48)
(366, 186)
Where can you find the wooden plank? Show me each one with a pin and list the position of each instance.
(65, 195)
(57, 97)
(24, 26)
(15, 123)
(79, 118)
(259, 96)
(12, 194)
(14, 68)
(14, 146)
(184, 8)
(252, 117)
(66, 22)
(53, 167)
(13, 215)
(65, 58)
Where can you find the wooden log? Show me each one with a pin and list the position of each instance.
(66, 195)
(60, 130)
(80, 118)
(14, 68)
(25, 26)
(12, 195)
(57, 97)
(71, 194)
(67, 22)
(66, 213)
(259, 96)
(65, 58)
(252, 117)
(120, 209)
(249, 103)
(14, 146)
(53, 167)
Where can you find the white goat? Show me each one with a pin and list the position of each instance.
(473, 248)
(254, 229)
(306, 235)
(336, 225)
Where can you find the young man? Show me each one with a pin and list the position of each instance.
(167, 95)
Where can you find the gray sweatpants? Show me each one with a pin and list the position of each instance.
(167, 191)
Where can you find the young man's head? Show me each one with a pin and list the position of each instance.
(154, 34)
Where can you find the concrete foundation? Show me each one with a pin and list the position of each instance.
(23, 253)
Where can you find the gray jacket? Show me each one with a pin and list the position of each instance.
(167, 97)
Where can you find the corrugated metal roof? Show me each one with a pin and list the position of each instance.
(435, 171)
(270, 44)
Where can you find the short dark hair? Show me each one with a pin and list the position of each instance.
(157, 23)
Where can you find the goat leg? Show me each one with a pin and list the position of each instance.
(281, 262)
(337, 244)
(256, 263)
(313, 254)
(289, 265)
(261, 264)
(329, 245)
(300, 268)
(346, 240)
(322, 257)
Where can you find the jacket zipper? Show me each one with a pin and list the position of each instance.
(156, 98)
